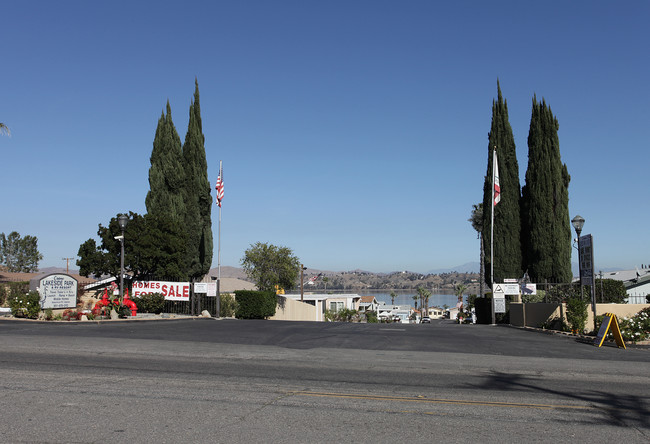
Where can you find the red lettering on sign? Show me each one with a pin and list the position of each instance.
(186, 291)
(164, 290)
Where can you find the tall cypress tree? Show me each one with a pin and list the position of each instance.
(507, 219)
(546, 229)
(166, 179)
(198, 202)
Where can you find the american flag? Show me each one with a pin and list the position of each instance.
(497, 186)
(219, 186)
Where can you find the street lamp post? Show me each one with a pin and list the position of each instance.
(578, 222)
(302, 288)
(122, 220)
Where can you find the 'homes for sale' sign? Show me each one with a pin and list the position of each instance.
(173, 291)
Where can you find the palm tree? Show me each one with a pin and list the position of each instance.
(476, 219)
(424, 295)
(4, 129)
(460, 289)
(393, 295)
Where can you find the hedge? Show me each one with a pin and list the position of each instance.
(255, 304)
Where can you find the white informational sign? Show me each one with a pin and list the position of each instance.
(173, 291)
(212, 289)
(200, 287)
(499, 305)
(58, 291)
(506, 288)
(528, 288)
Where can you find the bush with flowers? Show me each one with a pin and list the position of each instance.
(26, 306)
(633, 329)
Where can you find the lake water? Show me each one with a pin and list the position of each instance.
(405, 297)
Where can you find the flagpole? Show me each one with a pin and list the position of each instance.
(218, 314)
(494, 153)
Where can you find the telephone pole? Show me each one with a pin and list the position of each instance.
(67, 264)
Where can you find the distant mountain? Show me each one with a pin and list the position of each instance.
(49, 270)
(469, 267)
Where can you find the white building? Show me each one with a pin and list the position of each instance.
(331, 302)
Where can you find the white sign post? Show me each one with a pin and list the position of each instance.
(499, 299)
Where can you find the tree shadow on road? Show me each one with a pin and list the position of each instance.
(622, 410)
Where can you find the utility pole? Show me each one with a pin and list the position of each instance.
(67, 264)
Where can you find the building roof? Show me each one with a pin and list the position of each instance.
(367, 299)
(625, 275)
(6, 276)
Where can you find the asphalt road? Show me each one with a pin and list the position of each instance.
(207, 380)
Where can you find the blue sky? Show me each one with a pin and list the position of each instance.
(353, 132)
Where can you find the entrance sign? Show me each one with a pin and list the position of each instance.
(200, 287)
(58, 291)
(609, 321)
(172, 291)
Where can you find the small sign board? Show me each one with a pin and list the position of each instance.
(609, 321)
(499, 305)
(200, 287)
(212, 289)
(511, 289)
(528, 288)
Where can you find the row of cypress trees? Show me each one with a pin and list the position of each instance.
(179, 189)
(532, 231)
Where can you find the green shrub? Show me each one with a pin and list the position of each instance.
(228, 305)
(371, 317)
(49, 314)
(576, 314)
(610, 291)
(26, 305)
(255, 304)
(343, 315)
(150, 303)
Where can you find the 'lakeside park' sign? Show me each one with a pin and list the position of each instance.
(57, 291)
(172, 291)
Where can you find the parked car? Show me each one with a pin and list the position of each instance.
(425, 320)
